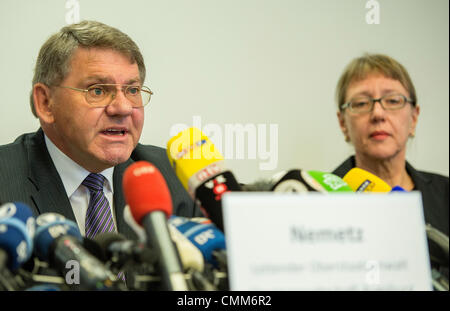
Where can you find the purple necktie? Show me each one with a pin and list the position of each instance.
(98, 217)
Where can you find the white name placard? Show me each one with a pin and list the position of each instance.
(326, 242)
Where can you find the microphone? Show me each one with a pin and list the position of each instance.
(297, 180)
(260, 185)
(17, 226)
(190, 255)
(205, 236)
(16, 234)
(439, 242)
(328, 181)
(59, 242)
(148, 196)
(200, 275)
(363, 181)
(115, 248)
(438, 247)
(292, 181)
(138, 230)
(200, 168)
(397, 188)
(210, 241)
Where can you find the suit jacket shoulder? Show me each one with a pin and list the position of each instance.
(28, 175)
(435, 196)
(13, 169)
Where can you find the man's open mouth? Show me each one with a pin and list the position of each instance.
(114, 132)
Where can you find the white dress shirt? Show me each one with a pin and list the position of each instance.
(72, 175)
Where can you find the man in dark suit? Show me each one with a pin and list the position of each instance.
(89, 97)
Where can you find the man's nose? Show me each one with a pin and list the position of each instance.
(120, 104)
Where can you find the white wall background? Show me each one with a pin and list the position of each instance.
(249, 62)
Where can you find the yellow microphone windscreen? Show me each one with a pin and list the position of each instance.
(193, 157)
(363, 181)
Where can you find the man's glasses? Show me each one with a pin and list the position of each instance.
(363, 104)
(101, 95)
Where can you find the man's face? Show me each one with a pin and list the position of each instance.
(95, 137)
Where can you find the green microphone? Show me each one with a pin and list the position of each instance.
(329, 182)
(298, 180)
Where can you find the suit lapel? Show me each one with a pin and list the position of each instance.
(119, 200)
(49, 194)
(420, 181)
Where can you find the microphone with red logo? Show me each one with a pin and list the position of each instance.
(148, 196)
(201, 170)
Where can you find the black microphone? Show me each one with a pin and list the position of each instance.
(210, 192)
(293, 181)
(119, 252)
(59, 242)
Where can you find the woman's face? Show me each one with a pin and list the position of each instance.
(379, 134)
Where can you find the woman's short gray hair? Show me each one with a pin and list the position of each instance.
(53, 62)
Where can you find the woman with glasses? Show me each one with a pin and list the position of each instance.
(378, 113)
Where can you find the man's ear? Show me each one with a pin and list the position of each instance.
(342, 125)
(42, 104)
